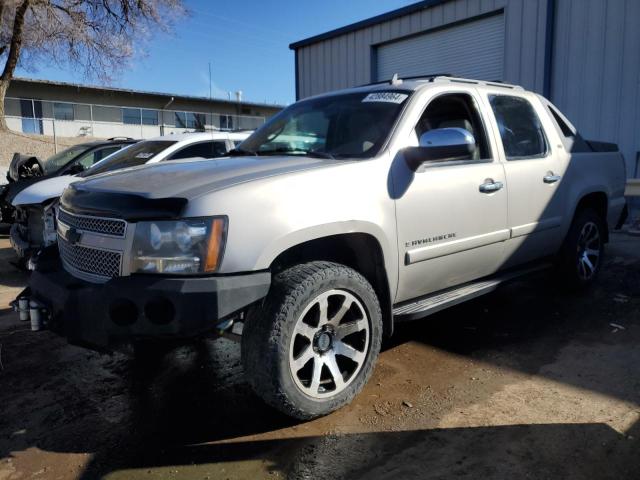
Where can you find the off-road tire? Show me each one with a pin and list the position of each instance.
(568, 258)
(268, 331)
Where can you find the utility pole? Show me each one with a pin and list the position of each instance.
(210, 100)
(210, 94)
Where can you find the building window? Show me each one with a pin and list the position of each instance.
(63, 111)
(131, 116)
(149, 117)
(226, 122)
(195, 120)
(181, 119)
(31, 120)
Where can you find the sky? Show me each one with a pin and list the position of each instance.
(246, 41)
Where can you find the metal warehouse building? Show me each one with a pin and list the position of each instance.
(582, 54)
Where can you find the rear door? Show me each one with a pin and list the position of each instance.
(535, 164)
(450, 228)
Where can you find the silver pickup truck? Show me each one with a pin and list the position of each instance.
(343, 214)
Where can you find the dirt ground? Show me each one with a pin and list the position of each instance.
(526, 382)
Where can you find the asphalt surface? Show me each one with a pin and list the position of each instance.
(527, 382)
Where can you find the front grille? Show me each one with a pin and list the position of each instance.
(103, 263)
(105, 226)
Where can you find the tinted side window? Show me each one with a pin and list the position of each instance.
(105, 152)
(520, 128)
(564, 128)
(204, 150)
(95, 156)
(219, 149)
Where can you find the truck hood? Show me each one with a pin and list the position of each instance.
(192, 178)
(43, 190)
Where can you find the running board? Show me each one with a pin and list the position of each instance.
(439, 301)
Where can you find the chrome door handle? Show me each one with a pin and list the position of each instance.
(551, 178)
(491, 186)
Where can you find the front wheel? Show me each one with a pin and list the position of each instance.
(312, 346)
(583, 249)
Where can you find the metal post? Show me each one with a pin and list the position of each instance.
(55, 138)
(33, 115)
(91, 116)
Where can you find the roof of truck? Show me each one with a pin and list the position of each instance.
(415, 83)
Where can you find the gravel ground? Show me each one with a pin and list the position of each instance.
(524, 383)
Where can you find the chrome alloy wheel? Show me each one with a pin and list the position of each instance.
(329, 344)
(589, 247)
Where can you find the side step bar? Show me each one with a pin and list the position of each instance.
(438, 301)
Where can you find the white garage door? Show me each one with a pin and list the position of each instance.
(472, 50)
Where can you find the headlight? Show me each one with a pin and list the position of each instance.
(181, 247)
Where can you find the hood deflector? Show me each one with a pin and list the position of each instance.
(127, 206)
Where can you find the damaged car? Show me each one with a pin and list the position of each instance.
(34, 229)
(26, 170)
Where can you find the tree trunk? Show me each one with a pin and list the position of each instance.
(3, 91)
(12, 57)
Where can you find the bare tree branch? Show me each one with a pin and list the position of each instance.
(16, 42)
(98, 36)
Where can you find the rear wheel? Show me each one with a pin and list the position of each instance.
(583, 249)
(312, 346)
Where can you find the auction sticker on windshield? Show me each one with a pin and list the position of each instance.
(389, 97)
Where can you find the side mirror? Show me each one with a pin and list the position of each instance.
(441, 145)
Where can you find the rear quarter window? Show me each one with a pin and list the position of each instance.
(562, 125)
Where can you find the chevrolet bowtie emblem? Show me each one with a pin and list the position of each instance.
(72, 236)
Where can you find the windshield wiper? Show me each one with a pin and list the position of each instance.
(240, 152)
(295, 151)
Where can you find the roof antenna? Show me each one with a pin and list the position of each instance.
(395, 80)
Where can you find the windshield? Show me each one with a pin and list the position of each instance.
(60, 159)
(353, 125)
(136, 154)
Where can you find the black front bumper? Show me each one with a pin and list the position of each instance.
(6, 209)
(101, 316)
(18, 242)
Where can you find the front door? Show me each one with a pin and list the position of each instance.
(451, 216)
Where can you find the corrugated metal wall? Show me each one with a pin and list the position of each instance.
(596, 70)
(474, 49)
(345, 61)
(595, 66)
